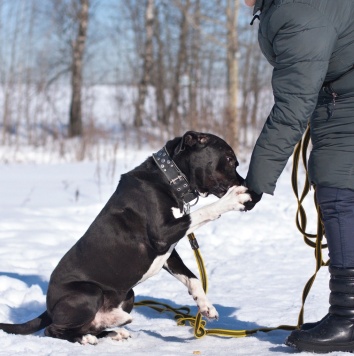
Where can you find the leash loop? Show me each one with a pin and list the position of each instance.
(199, 327)
(301, 219)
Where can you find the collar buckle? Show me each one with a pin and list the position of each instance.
(174, 180)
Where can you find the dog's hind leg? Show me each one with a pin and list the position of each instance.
(128, 303)
(73, 314)
(118, 316)
(179, 270)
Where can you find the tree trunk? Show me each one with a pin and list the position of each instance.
(148, 63)
(245, 91)
(75, 122)
(181, 61)
(232, 71)
(160, 76)
(195, 69)
(256, 89)
(9, 78)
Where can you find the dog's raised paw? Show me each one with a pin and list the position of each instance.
(234, 199)
(209, 312)
(243, 198)
(240, 189)
(119, 334)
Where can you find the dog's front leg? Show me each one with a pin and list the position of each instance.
(232, 200)
(179, 270)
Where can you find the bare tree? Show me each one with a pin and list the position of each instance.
(9, 76)
(180, 68)
(78, 46)
(232, 70)
(248, 48)
(255, 91)
(195, 67)
(160, 75)
(147, 63)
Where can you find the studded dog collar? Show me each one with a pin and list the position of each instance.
(174, 176)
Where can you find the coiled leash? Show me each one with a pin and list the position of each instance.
(183, 314)
(301, 219)
(198, 323)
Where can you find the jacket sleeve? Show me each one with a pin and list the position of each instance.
(302, 41)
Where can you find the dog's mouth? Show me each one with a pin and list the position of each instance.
(202, 194)
(218, 186)
(222, 192)
(219, 193)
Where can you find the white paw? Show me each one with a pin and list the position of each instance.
(119, 334)
(240, 189)
(209, 311)
(243, 198)
(89, 339)
(234, 199)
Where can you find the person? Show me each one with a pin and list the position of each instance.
(310, 44)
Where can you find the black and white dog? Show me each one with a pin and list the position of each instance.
(134, 236)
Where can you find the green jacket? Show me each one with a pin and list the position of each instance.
(310, 44)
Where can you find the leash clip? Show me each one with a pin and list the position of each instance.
(193, 241)
(190, 196)
(186, 208)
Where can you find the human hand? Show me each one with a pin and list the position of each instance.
(255, 198)
(250, 3)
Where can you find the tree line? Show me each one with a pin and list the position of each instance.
(168, 66)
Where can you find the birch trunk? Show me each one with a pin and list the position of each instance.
(232, 71)
(75, 121)
(195, 69)
(181, 61)
(148, 63)
(160, 76)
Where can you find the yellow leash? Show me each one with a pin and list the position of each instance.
(182, 314)
(199, 323)
(301, 219)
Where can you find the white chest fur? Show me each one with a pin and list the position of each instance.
(177, 213)
(159, 261)
(157, 264)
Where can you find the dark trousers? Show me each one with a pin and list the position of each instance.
(337, 210)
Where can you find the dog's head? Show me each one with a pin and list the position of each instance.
(208, 162)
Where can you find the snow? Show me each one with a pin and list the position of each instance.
(257, 263)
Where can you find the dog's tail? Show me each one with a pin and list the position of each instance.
(29, 327)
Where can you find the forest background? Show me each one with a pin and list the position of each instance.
(80, 79)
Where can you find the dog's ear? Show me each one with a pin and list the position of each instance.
(192, 138)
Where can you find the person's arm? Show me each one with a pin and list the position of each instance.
(303, 42)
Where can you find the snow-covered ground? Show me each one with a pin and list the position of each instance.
(257, 264)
